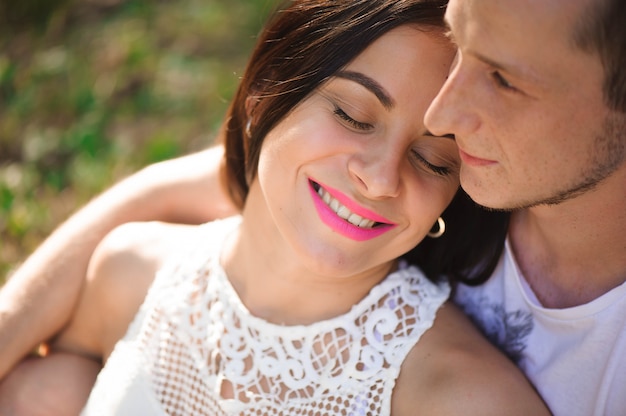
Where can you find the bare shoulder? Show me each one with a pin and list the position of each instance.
(453, 369)
(120, 272)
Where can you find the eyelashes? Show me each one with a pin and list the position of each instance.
(502, 82)
(417, 159)
(352, 122)
(437, 170)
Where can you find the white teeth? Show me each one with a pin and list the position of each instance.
(365, 223)
(344, 212)
(355, 219)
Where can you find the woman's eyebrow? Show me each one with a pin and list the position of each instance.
(373, 86)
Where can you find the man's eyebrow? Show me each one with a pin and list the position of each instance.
(522, 73)
(373, 86)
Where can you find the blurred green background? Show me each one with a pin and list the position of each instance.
(92, 90)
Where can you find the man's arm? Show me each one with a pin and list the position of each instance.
(39, 298)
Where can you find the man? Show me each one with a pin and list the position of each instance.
(537, 103)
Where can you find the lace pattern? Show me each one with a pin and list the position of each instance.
(206, 354)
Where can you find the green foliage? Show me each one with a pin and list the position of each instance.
(91, 90)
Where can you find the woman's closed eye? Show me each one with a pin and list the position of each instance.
(418, 159)
(355, 124)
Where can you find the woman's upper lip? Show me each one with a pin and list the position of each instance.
(354, 206)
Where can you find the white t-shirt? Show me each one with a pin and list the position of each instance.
(576, 357)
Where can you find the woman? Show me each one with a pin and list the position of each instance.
(300, 305)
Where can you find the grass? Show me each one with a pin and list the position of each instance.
(92, 90)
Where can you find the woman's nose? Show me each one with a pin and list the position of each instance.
(377, 171)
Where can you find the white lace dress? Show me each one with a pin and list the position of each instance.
(193, 347)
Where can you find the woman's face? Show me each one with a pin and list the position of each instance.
(351, 178)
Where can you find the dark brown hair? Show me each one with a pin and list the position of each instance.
(303, 45)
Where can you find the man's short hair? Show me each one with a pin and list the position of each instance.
(602, 30)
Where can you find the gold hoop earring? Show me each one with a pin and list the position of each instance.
(248, 129)
(441, 229)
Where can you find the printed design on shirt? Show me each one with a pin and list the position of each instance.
(509, 331)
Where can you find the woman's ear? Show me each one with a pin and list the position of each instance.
(251, 102)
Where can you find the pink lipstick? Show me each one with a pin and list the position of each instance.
(371, 224)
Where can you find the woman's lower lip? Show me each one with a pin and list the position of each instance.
(468, 159)
(343, 227)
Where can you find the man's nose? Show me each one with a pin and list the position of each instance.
(451, 113)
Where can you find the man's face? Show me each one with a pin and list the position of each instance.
(525, 104)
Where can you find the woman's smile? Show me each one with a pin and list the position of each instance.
(345, 216)
(341, 210)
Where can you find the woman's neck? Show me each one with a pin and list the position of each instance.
(275, 283)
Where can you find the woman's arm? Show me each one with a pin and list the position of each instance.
(40, 297)
(120, 272)
(56, 385)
